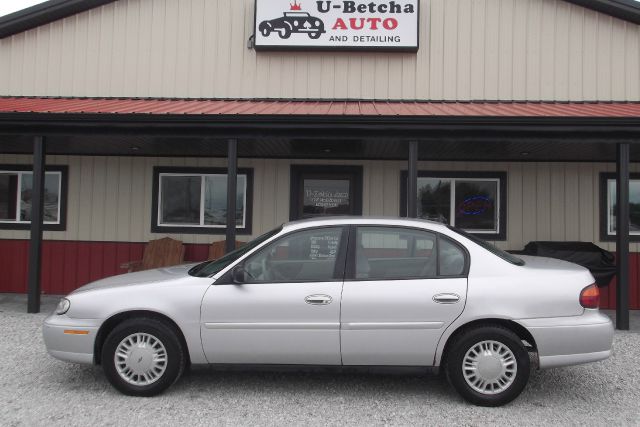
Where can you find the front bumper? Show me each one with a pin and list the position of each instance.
(70, 340)
(566, 341)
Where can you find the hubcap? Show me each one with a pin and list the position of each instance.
(489, 367)
(140, 359)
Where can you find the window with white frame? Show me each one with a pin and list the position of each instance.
(609, 216)
(470, 201)
(190, 200)
(16, 189)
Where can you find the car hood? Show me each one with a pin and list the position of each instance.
(158, 275)
(544, 263)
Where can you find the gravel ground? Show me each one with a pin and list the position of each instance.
(36, 389)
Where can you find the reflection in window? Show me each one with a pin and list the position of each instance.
(199, 200)
(308, 255)
(16, 192)
(634, 207)
(395, 253)
(472, 204)
(450, 258)
(180, 197)
(215, 200)
(434, 199)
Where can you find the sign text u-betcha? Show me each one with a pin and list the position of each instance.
(337, 24)
(349, 6)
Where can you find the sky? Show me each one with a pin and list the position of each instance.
(10, 6)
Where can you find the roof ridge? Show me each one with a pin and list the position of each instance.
(315, 100)
(53, 10)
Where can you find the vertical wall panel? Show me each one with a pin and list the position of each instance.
(543, 201)
(505, 55)
(515, 196)
(477, 69)
(588, 199)
(572, 200)
(548, 40)
(561, 75)
(575, 55)
(557, 197)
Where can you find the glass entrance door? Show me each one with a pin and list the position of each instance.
(318, 191)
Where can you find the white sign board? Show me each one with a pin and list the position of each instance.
(337, 25)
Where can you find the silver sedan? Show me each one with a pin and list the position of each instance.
(342, 292)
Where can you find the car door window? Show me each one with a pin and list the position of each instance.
(395, 253)
(450, 258)
(303, 256)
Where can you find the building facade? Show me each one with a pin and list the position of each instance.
(516, 107)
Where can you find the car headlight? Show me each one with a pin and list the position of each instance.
(63, 306)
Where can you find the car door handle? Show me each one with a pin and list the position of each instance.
(318, 299)
(446, 298)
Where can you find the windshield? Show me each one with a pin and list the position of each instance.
(488, 246)
(209, 268)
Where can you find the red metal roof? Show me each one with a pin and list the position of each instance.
(322, 108)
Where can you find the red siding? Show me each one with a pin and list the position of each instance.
(68, 265)
(249, 107)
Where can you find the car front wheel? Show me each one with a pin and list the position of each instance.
(143, 357)
(488, 366)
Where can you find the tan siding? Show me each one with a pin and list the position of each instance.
(515, 197)
(470, 49)
(109, 198)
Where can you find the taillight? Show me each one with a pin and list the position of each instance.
(590, 297)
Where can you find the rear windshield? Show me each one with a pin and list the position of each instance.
(488, 246)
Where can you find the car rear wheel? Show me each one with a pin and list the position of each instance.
(285, 32)
(488, 366)
(315, 35)
(143, 357)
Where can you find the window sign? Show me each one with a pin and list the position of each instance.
(303, 256)
(319, 190)
(332, 24)
(470, 204)
(326, 197)
(472, 201)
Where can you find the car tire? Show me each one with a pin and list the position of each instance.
(265, 31)
(488, 365)
(143, 357)
(285, 33)
(315, 35)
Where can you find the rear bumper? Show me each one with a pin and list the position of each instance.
(70, 340)
(566, 341)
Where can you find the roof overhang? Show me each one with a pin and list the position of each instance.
(627, 10)
(248, 118)
(321, 129)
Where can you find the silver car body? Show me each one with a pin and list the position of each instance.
(391, 323)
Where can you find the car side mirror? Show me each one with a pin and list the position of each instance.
(239, 275)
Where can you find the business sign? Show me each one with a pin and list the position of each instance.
(335, 25)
